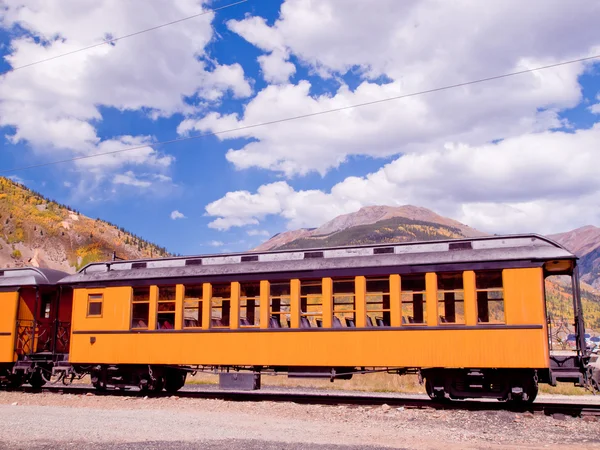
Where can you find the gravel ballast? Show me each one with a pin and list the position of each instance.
(47, 420)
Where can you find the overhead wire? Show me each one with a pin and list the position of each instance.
(301, 116)
(120, 38)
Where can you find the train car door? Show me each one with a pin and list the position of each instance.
(8, 315)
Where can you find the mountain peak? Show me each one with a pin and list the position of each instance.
(372, 214)
(398, 223)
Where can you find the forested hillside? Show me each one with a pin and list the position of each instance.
(41, 232)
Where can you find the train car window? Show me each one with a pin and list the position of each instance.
(94, 305)
(414, 307)
(220, 305)
(490, 296)
(451, 298)
(249, 305)
(280, 304)
(344, 307)
(311, 303)
(378, 301)
(140, 309)
(192, 306)
(165, 309)
(46, 305)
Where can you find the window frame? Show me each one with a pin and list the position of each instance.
(488, 290)
(213, 297)
(385, 313)
(244, 305)
(314, 316)
(199, 300)
(91, 301)
(412, 292)
(171, 312)
(140, 302)
(285, 301)
(442, 301)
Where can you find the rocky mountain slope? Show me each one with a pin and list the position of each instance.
(40, 232)
(374, 224)
(585, 243)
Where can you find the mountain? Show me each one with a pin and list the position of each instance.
(41, 232)
(379, 224)
(374, 224)
(585, 243)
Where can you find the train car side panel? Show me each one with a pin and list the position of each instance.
(499, 347)
(115, 309)
(8, 316)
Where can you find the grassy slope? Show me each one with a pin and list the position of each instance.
(38, 230)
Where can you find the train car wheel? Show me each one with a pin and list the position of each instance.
(36, 380)
(438, 396)
(174, 381)
(158, 384)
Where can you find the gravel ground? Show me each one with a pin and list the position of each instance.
(44, 421)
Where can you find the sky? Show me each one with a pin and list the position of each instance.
(516, 154)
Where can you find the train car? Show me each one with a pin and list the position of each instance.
(469, 315)
(35, 316)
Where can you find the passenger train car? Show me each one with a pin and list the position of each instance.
(468, 315)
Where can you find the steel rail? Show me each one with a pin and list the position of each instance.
(575, 409)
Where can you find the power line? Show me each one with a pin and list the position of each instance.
(304, 116)
(120, 38)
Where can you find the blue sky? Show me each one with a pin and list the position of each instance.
(501, 156)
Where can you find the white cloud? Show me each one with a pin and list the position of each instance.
(528, 183)
(16, 179)
(415, 46)
(595, 109)
(55, 106)
(276, 68)
(177, 215)
(67, 184)
(216, 243)
(128, 178)
(143, 180)
(262, 233)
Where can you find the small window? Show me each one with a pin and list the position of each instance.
(220, 305)
(249, 305)
(192, 306)
(490, 296)
(165, 310)
(311, 303)
(451, 298)
(140, 309)
(378, 302)
(280, 304)
(344, 307)
(414, 306)
(94, 306)
(46, 305)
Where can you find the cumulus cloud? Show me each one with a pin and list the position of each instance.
(144, 180)
(55, 106)
(262, 233)
(216, 243)
(177, 215)
(413, 46)
(529, 183)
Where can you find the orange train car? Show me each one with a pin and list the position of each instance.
(468, 315)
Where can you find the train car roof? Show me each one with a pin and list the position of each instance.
(479, 251)
(30, 276)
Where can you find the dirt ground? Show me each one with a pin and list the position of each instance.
(47, 420)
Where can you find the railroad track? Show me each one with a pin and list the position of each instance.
(575, 409)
